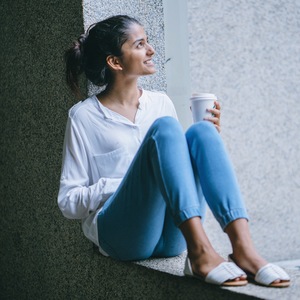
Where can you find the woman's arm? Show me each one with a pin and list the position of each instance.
(77, 197)
(77, 202)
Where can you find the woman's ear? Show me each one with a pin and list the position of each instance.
(114, 63)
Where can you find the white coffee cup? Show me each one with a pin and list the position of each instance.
(200, 103)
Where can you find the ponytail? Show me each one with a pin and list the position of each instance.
(74, 64)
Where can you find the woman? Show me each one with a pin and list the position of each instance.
(135, 179)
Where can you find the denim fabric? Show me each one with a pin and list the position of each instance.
(164, 187)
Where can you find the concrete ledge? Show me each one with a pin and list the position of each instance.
(175, 266)
(74, 269)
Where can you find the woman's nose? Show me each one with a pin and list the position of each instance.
(150, 50)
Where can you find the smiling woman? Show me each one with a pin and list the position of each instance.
(135, 179)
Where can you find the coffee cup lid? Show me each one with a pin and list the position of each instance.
(203, 96)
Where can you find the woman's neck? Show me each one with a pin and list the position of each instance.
(121, 99)
(121, 93)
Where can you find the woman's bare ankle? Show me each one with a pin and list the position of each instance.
(204, 261)
(244, 253)
(248, 259)
(201, 253)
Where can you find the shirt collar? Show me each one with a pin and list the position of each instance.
(108, 114)
(142, 100)
(105, 111)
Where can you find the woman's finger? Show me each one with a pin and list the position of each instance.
(216, 111)
(218, 128)
(214, 120)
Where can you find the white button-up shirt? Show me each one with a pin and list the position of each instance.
(98, 148)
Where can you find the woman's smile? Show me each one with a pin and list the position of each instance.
(149, 62)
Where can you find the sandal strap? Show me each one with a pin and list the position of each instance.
(269, 273)
(224, 272)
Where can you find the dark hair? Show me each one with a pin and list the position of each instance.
(89, 52)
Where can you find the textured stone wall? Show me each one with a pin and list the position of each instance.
(34, 237)
(247, 53)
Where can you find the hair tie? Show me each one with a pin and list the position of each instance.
(79, 44)
(82, 39)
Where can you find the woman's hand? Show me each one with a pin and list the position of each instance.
(216, 115)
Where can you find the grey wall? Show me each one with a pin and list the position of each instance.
(248, 53)
(34, 237)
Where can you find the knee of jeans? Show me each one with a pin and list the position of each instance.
(203, 131)
(165, 121)
(167, 126)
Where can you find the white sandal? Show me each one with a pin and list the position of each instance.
(267, 274)
(224, 274)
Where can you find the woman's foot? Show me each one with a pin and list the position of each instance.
(207, 260)
(248, 259)
(202, 256)
(259, 269)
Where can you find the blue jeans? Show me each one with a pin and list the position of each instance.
(164, 187)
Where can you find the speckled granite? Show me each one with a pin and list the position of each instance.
(35, 260)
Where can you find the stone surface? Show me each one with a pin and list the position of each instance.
(247, 53)
(175, 266)
(35, 240)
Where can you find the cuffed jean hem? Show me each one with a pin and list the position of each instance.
(232, 215)
(186, 214)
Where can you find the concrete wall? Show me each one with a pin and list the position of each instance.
(247, 53)
(38, 247)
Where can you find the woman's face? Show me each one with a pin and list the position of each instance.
(136, 59)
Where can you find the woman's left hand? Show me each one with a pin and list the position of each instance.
(216, 115)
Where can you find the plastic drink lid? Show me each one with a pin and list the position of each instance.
(203, 96)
